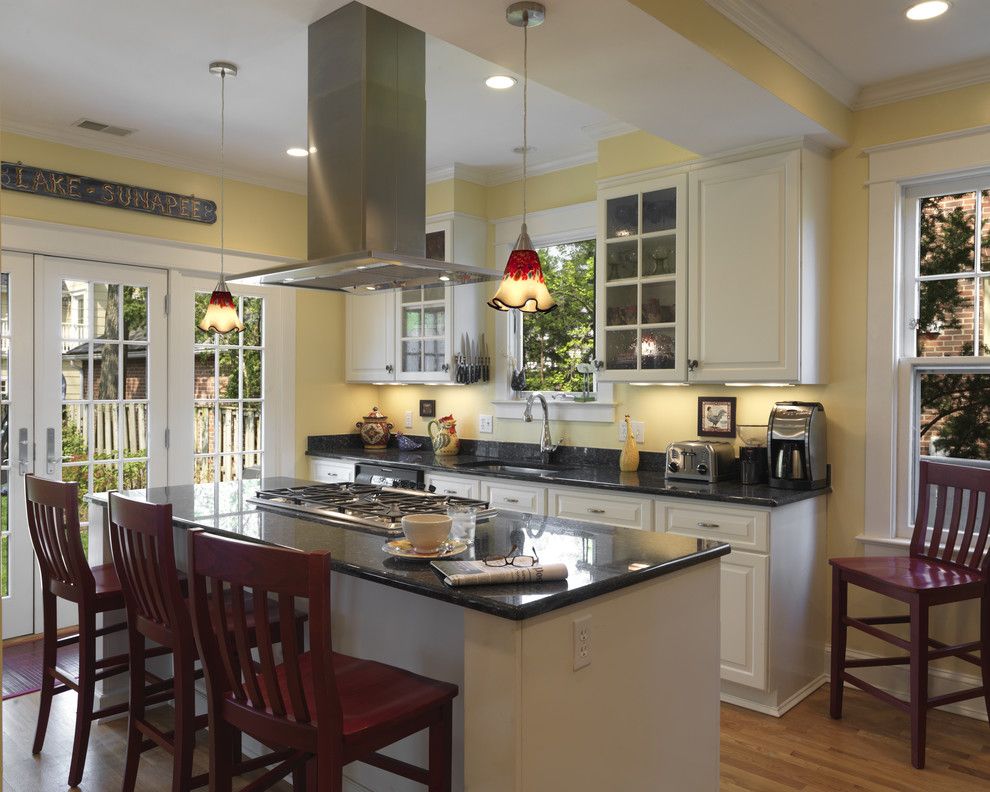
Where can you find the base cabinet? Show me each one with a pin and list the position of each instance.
(744, 599)
(331, 471)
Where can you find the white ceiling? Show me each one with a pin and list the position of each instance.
(871, 41)
(594, 62)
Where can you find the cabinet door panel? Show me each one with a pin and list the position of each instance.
(599, 507)
(370, 337)
(743, 606)
(325, 470)
(744, 270)
(454, 485)
(514, 497)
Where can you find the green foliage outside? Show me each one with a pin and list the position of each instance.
(956, 405)
(555, 342)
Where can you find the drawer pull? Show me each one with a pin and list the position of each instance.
(333, 475)
(512, 500)
(449, 492)
(596, 511)
(708, 525)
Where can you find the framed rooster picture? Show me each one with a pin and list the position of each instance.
(716, 416)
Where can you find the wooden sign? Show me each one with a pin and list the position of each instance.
(70, 187)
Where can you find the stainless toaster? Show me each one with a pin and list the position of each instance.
(700, 460)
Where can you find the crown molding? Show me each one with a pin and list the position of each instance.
(513, 173)
(119, 148)
(961, 75)
(607, 129)
(459, 171)
(749, 16)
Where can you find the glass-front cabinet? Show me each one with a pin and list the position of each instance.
(641, 281)
(422, 322)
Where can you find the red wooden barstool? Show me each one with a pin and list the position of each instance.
(142, 543)
(329, 709)
(949, 566)
(53, 522)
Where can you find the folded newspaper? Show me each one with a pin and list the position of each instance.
(478, 573)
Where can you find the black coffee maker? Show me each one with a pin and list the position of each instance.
(796, 455)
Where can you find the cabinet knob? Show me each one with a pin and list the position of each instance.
(599, 364)
(446, 366)
(692, 365)
(596, 511)
(388, 368)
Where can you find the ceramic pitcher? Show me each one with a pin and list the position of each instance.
(443, 435)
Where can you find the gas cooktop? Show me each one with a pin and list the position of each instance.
(374, 508)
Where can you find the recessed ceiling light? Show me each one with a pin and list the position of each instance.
(444, 278)
(297, 152)
(927, 10)
(500, 82)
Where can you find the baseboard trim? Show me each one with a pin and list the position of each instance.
(894, 680)
(783, 707)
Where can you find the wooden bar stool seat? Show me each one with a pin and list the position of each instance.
(53, 522)
(951, 564)
(324, 708)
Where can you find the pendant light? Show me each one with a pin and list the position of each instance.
(522, 285)
(221, 314)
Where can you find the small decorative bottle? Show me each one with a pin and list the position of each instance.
(629, 458)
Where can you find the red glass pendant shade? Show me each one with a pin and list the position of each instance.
(523, 286)
(221, 314)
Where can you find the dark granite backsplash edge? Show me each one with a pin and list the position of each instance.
(497, 449)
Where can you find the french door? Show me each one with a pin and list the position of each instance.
(97, 396)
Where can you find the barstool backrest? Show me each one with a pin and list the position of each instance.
(53, 522)
(959, 496)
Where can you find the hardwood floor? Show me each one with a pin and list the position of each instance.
(805, 751)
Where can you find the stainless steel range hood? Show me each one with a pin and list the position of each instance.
(367, 166)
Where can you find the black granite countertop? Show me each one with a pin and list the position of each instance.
(600, 559)
(576, 467)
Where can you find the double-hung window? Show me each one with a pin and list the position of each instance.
(945, 350)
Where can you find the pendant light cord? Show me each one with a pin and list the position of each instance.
(223, 77)
(525, 152)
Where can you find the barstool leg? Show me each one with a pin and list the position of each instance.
(185, 717)
(50, 654)
(919, 680)
(441, 750)
(87, 687)
(840, 597)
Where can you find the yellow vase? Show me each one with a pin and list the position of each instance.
(629, 458)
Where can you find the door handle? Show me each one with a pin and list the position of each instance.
(23, 452)
(51, 457)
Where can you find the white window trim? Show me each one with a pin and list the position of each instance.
(894, 170)
(548, 227)
(185, 262)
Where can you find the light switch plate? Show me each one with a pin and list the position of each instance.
(408, 419)
(639, 431)
(484, 424)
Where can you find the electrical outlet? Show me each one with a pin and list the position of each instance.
(408, 419)
(639, 431)
(484, 424)
(582, 642)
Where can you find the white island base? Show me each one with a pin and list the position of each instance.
(642, 717)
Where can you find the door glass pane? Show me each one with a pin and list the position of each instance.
(227, 437)
(412, 322)
(135, 371)
(106, 438)
(202, 302)
(659, 300)
(251, 316)
(135, 475)
(106, 477)
(204, 382)
(4, 369)
(228, 371)
(135, 313)
(412, 295)
(251, 374)
(621, 216)
(433, 355)
(228, 468)
(203, 470)
(657, 349)
(203, 427)
(80, 475)
(4, 442)
(106, 371)
(4, 541)
(433, 321)
(251, 427)
(135, 429)
(620, 305)
(411, 355)
(660, 210)
(620, 349)
(75, 372)
(106, 301)
(75, 311)
(75, 432)
(659, 255)
(621, 260)
(432, 293)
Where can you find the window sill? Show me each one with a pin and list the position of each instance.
(597, 411)
(884, 545)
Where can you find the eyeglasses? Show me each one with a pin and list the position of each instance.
(511, 559)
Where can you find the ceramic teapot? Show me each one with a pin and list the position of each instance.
(444, 438)
(375, 429)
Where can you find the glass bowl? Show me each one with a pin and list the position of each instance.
(752, 434)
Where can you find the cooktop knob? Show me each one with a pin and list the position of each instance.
(673, 467)
(702, 468)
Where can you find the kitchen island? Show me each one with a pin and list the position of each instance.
(643, 715)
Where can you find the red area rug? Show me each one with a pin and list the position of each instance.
(22, 667)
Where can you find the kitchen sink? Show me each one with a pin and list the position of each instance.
(495, 466)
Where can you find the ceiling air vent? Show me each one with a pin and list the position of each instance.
(98, 126)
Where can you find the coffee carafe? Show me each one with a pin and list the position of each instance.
(796, 451)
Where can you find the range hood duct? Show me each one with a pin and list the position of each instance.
(367, 166)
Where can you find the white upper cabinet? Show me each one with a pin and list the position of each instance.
(755, 266)
(641, 279)
(413, 335)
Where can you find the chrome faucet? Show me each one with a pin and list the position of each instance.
(546, 444)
